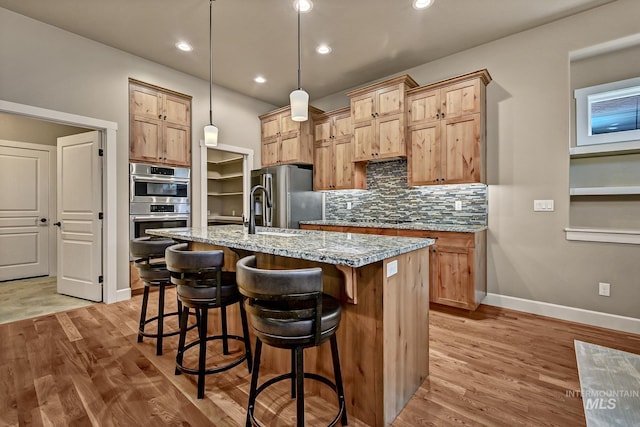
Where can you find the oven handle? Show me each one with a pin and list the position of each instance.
(157, 217)
(135, 178)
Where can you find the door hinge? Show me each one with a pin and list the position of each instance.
(100, 215)
(100, 152)
(100, 279)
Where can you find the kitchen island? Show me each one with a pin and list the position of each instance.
(383, 283)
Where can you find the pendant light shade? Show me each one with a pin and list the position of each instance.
(211, 130)
(299, 99)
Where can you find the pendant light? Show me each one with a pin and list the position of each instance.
(299, 99)
(211, 130)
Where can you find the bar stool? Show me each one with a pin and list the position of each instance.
(202, 285)
(287, 309)
(149, 260)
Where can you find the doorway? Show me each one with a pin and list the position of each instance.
(107, 131)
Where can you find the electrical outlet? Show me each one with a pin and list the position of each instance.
(458, 205)
(348, 205)
(604, 289)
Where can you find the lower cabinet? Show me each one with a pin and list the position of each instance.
(458, 262)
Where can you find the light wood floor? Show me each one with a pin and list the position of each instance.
(84, 367)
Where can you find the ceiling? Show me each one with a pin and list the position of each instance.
(370, 39)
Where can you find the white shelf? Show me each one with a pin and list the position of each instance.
(217, 177)
(225, 218)
(603, 235)
(215, 193)
(603, 191)
(627, 147)
(226, 161)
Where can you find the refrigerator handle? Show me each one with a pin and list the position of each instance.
(268, 217)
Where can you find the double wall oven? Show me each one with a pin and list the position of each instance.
(159, 197)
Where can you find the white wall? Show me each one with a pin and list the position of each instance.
(528, 136)
(44, 66)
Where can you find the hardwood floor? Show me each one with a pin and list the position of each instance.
(84, 367)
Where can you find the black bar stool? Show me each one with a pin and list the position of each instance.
(201, 285)
(287, 309)
(149, 260)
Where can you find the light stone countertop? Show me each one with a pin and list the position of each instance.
(460, 228)
(350, 249)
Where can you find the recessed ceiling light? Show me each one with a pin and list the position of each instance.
(422, 4)
(184, 46)
(323, 49)
(304, 5)
(259, 79)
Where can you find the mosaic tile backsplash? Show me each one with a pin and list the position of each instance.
(389, 198)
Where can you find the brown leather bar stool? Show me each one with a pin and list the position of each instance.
(287, 309)
(149, 260)
(202, 285)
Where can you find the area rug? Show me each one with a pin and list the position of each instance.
(610, 385)
(27, 298)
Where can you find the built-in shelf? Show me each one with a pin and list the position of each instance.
(217, 177)
(603, 235)
(226, 161)
(216, 193)
(603, 191)
(611, 149)
(225, 218)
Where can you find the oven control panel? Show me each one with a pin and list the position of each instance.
(155, 170)
(162, 208)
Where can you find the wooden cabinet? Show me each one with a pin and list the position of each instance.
(285, 141)
(159, 125)
(378, 115)
(446, 133)
(333, 166)
(457, 264)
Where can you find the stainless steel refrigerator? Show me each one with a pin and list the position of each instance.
(292, 196)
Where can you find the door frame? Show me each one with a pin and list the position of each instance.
(53, 233)
(109, 185)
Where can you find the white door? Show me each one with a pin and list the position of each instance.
(24, 213)
(79, 204)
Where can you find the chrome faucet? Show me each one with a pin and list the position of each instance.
(252, 206)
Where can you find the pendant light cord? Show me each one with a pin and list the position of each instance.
(211, 61)
(299, 71)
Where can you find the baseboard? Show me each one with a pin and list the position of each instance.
(589, 317)
(123, 294)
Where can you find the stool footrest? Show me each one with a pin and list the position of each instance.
(166, 334)
(226, 367)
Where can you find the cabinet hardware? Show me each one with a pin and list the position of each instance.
(437, 115)
(57, 224)
(443, 115)
(160, 116)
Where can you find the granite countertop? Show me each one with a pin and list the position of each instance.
(350, 249)
(402, 225)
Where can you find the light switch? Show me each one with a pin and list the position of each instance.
(543, 205)
(392, 268)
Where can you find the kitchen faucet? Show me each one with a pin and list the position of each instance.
(252, 206)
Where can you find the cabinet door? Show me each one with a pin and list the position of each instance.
(362, 108)
(363, 134)
(390, 140)
(270, 127)
(342, 126)
(145, 139)
(288, 126)
(343, 163)
(460, 99)
(177, 110)
(176, 145)
(389, 101)
(451, 276)
(323, 167)
(423, 107)
(289, 148)
(145, 102)
(423, 158)
(461, 150)
(322, 131)
(270, 152)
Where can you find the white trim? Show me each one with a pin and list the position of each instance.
(604, 235)
(572, 314)
(604, 191)
(247, 164)
(612, 148)
(123, 294)
(110, 224)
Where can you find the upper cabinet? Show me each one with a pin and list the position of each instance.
(159, 125)
(334, 168)
(446, 131)
(378, 116)
(285, 141)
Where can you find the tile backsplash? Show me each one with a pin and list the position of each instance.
(389, 198)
